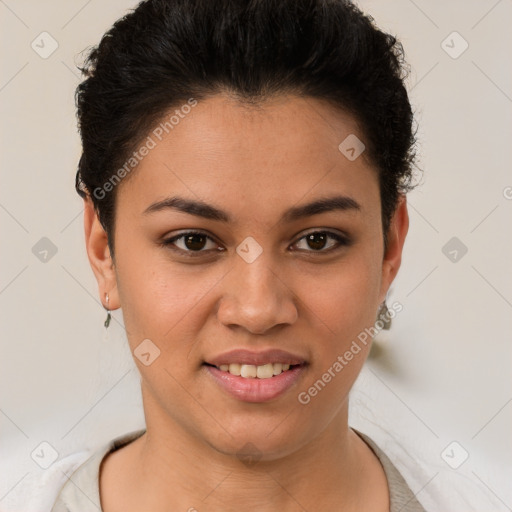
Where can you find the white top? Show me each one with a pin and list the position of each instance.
(71, 483)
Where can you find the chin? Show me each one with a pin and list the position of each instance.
(259, 440)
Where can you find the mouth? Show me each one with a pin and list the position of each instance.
(251, 371)
(256, 376)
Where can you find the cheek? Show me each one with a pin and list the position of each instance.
(342, 303)
(343, 297)
(156, 296)
(164, 303)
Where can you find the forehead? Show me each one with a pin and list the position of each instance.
(284, 127)
(279, 152)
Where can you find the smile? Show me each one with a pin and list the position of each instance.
(255, 376)
(251, 371)
(250, 387)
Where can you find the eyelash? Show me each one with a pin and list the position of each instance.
(168, 243)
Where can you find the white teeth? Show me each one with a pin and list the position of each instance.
(265, 372)
(234, 368)
(277, 368)
(250, 371)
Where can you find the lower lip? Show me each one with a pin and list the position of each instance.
(254, 389)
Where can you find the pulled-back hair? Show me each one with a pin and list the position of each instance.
(165, 52)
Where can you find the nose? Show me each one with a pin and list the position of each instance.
(257, 297)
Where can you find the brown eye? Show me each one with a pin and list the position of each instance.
(317, 241)
(190, 243)
(194, 242)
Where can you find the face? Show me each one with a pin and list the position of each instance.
(241, 269)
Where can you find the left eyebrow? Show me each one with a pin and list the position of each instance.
(206, 211)
(343, 203)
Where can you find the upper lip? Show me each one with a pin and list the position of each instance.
(256, 358)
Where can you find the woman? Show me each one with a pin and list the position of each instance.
(244, 173)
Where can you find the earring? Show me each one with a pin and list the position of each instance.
(109, 316)
(384, 316)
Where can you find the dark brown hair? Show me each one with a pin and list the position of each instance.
(165, 52)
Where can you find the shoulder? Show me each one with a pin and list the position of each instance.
(400, 494)
(436, 486)
(70, 484)
(38, 490)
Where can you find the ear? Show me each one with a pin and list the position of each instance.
(398, 229)
(98, 252)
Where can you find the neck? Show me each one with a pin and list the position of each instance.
(329, 472)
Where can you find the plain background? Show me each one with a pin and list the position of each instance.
(444, 370)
